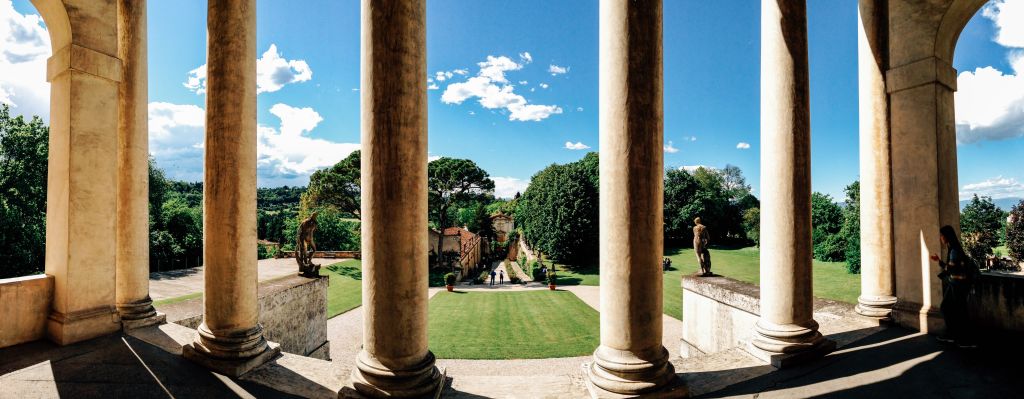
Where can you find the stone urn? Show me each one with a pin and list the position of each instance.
(450, 287)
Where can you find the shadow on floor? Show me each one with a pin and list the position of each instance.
(114, 366)
(893, 363)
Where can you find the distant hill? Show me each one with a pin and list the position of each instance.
(1003, 203)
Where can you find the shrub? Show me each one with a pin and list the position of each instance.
(1015, 232)
(449, 279)
(980, 222)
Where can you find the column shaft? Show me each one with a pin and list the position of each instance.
(395, 360)
(230, 339)
(132, 256)
(876, 240)
(786, 323)
(631, 359)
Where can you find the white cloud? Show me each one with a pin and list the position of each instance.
(492, 90)
(576, 146)
(693, 168)
(989, 102)
(526, 57)
(472, 113)
(273, 72)
(461, 71)
(543, 85)
(523, 82)
(670, 149)
(432, 158)
(24, 48)
(690, 138)
(288, 153)
(997, 187)
(1007, 17)
(433, 86)
(507, 187)
(442, 76)
(579, 109)
(557, 70)
(743, 145)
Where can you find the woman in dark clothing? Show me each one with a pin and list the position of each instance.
(956, 285)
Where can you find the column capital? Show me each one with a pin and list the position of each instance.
(919, 73)
(83, 59)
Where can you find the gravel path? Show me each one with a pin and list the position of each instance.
(672, 328)
(175, 283)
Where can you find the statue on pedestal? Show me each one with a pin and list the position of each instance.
(305, 247)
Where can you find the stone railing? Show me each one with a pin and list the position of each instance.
(998, 303)
(24, 307)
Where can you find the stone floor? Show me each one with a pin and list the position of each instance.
(176, 283)
(890, 363)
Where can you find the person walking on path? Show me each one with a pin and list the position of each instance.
(700, 246)
(493, 274)
(501, 277)
(958, 272)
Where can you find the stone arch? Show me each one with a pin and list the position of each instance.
(57, 22)
(953, 22)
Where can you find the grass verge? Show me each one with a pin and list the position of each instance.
(346, 288)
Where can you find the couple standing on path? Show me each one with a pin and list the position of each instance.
(501, 276)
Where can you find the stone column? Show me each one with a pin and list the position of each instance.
(631, 359)
(81, 211)
(876, 278)
(395, 360)
(786, 324)
(132, 256)
(230, 339)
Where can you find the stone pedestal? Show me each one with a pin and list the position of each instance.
(395, 360)
(631, 360)
(786, 325)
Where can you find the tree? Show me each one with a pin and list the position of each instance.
(752, 224)
(452, 181)
(980, 221)
(680, 190)
(850, 232)
(826, 222)
(23, 165)
(337, 187)
(733, 182)
(558, 212)
(1015, 232)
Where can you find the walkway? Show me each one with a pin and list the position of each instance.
(176, 283)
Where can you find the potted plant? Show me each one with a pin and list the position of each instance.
(449, 281)
(551, 281)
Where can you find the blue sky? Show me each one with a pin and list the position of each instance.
(519, 88)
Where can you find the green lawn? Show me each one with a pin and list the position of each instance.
(831, 280)
(346, 289)
(511, 325)
(183, 298)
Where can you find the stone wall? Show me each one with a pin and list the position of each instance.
(718, 314)
(293, 312)
(25, 304)
(998, 303)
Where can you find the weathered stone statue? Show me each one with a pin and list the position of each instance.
(700, 246)
(305, 247)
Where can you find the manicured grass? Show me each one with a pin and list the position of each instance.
(183, 298)
(831, 280)
(346, 288)
(511, 325)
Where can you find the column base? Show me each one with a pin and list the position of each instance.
(231, 353)
(372, 379)
(139, 314)
(879, 307)
(788, 345)
(619, 374)
(69, 328)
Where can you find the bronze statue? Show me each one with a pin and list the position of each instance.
(305, 247)
(700, 246)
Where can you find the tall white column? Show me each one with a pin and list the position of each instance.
(786, 324)
(876, 241)
(631, 359)
(230, 339)
(132, 257)
(395, 360)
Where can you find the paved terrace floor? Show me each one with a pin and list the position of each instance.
(891, 363)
